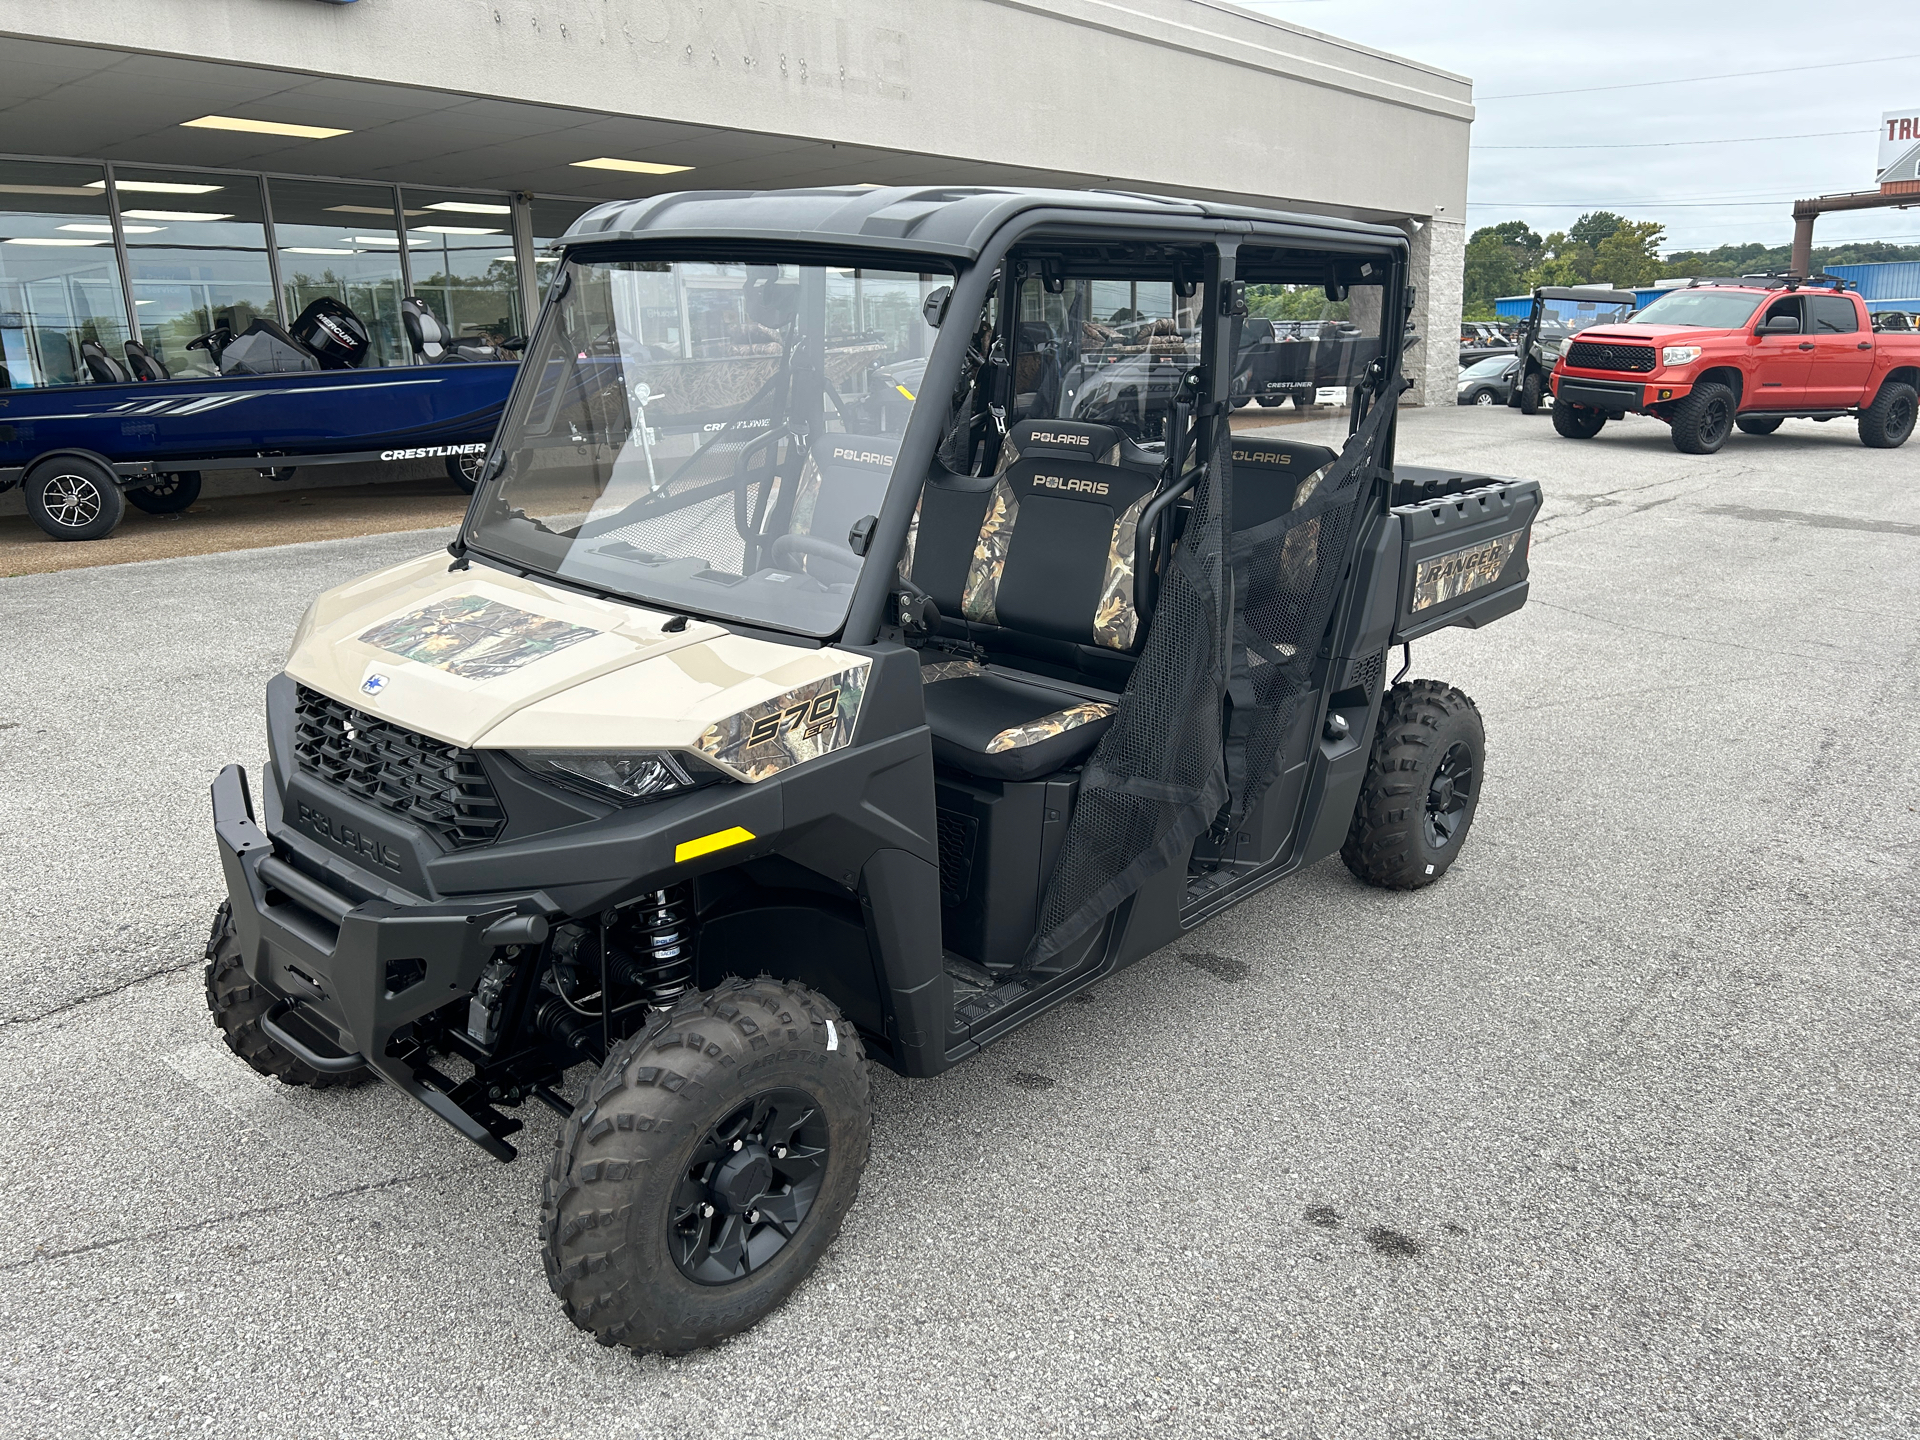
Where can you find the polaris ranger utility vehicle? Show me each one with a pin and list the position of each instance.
(1558, 314)
(734, 743)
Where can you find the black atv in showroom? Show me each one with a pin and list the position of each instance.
(736, 743)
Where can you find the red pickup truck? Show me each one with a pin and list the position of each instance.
(1750, 353)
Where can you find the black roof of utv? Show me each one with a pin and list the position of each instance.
(940, 220)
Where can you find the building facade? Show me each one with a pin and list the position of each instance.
(169, 162)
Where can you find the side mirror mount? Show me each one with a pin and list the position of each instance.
(860, 537)
(933, 309)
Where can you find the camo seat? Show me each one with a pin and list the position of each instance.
(1034, 565)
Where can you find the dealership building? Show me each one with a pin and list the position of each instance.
(164, 163)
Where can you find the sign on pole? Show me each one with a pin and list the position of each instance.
(1899, 164)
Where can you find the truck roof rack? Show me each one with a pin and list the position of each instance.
(1774, 280)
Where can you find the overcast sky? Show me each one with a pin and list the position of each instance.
(1706, 195)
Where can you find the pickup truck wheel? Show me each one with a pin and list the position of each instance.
(707, 1168)
(237, 1005)
(1530, 393)
(74, 499)
(1577, 422)
(168, 495)
(1886, 424)
(1757, 425)
(1703, 419)
(1422, 787)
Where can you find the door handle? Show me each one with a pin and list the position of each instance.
(1863, 345)
(1806, 345)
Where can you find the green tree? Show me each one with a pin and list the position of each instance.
(1631, 254)
(1520, 239)
(1594, 226)
(1491, 270)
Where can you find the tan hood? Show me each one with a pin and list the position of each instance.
(480, 658)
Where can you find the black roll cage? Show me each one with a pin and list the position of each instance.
(1219, 236)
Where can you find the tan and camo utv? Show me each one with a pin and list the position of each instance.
(815, 678)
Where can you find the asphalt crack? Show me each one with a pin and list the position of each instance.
(10, 1021)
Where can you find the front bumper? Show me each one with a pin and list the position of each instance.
(367, 968)
(1616, 394)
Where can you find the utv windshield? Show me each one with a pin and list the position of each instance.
(710, 437)
(1570, 317)
(1705, 309)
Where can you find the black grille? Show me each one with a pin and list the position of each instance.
(1592, 355)
(956, 834)
(435, 785)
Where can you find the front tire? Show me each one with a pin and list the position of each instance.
(1483, 397)
(237, 1004)
(708, 1167)
(1422, 787)
(1758, 424)
(1530, 392)
(1577, 422)
(1703, 419)
(72, 498)
(168, 495)
(1886, 424)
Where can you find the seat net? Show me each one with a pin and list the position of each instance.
(1223, 671)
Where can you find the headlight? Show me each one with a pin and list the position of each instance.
(621, 774)
(1679, 354)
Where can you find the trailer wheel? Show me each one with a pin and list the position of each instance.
(168, 495)
(1530, 393)
(1422, 787)
(1886, 424)
(73, 498)
(464, 471)
(708, 1167)
(1757, 424)
(1272, 402)
(1703, 419)
(1577, 422)
(237, 1005)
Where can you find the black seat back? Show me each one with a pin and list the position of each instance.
(427, 337)
(853, 472)
(1267, 475)
(102, 368)
(144, 364)
(1046, 547)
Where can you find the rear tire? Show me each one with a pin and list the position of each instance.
(1422, 787)
(1530, 393)
(238, 1003)
(708, 1167)
(1271, 402)
(1757, 424)
(1703, 419)
(168, 495)
(1576, 422)
(72, 498)
(1886, 424)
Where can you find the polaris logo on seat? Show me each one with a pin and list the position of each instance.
(862, 457)
(1258, 457)
(1071, 484)
(1052, 437)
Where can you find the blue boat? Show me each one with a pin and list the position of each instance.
(83, 451)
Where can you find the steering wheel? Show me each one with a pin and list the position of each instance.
(790, 551)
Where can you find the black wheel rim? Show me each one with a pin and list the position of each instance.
(748, 1187)
(1900, 416)
(1713, 424)
(1449, 794)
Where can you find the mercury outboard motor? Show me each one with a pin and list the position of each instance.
(336, 336)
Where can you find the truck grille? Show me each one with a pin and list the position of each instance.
(1592, 355)
(436, 786)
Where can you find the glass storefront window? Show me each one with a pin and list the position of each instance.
(342, 241)
(196, 256)
(551, 218)
(59, 279)
(460, 250)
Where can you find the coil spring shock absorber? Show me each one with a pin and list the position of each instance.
(652, 946)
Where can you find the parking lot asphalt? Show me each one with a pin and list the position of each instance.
(1612, 1132)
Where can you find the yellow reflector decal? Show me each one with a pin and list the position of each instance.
(707, 844)
(904, 391)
